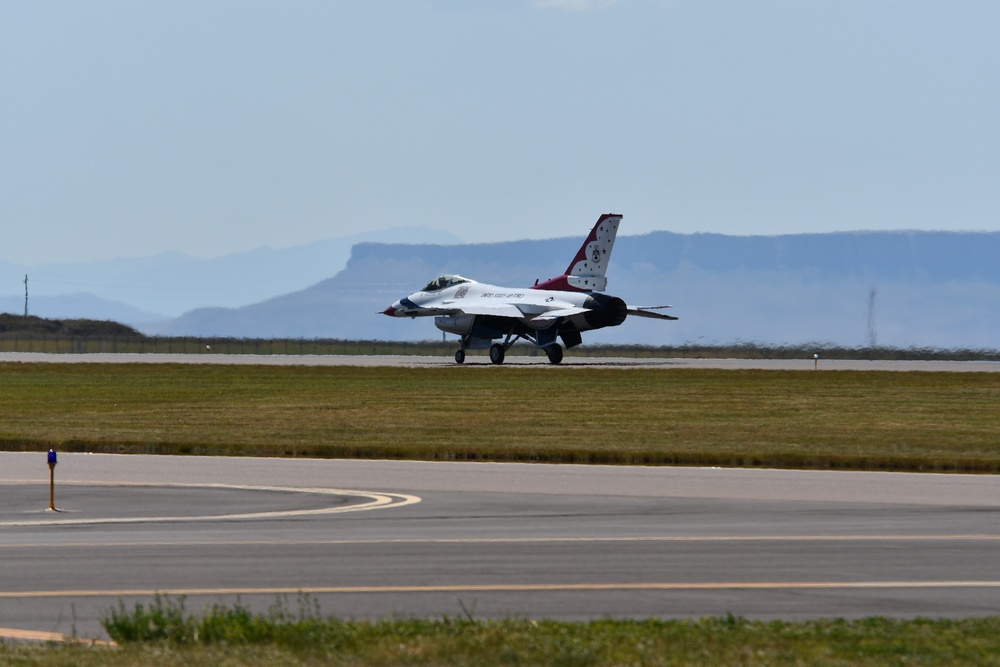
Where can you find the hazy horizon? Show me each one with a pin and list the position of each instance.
(934, 289)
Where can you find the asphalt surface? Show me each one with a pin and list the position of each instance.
(376, 539)
(481, 358)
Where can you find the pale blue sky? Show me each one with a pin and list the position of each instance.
(131, 128)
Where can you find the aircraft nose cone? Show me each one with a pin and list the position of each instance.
(390, 311)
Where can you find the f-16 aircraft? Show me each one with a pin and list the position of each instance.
(560, 308)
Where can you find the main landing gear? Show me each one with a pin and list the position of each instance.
(555, 353)
(498, 352)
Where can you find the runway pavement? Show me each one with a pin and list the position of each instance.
(475, 358)
(374, 539)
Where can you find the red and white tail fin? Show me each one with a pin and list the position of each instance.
(586, 272)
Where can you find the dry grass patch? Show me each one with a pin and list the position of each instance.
(885, 420)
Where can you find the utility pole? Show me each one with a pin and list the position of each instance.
(872, 334)
(25, 294)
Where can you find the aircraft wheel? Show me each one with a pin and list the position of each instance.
(555, 354)
(460, 357)
(497, 353)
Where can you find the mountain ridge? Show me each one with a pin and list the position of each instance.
(771, 290)
(903, 288)
(171, 283)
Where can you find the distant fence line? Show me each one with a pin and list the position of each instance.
(307, 346)
(197, 345)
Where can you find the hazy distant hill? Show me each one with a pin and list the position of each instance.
(146, 289)
(935, 289)
(78, 306)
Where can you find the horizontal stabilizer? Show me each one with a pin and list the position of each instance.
(648, 312)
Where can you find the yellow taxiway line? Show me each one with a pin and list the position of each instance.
(159, 544)
(374, 501)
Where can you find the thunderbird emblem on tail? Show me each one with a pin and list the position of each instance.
(557, 309)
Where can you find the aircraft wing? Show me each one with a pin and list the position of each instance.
(474, 308)
(569, 312)
(499, 310)
(409, 309)
(648, 312)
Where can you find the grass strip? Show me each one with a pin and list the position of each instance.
(165, 633)
(801, 419)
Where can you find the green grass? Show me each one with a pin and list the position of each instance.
(802, 419)
(865, 420)
(165, 633)
(447, 641)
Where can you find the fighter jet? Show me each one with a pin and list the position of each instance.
(559, 308)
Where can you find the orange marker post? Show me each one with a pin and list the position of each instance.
(52, 479)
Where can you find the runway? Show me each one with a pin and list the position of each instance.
(376, 539)
(476, 358)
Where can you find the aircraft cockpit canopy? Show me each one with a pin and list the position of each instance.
(446, 280)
